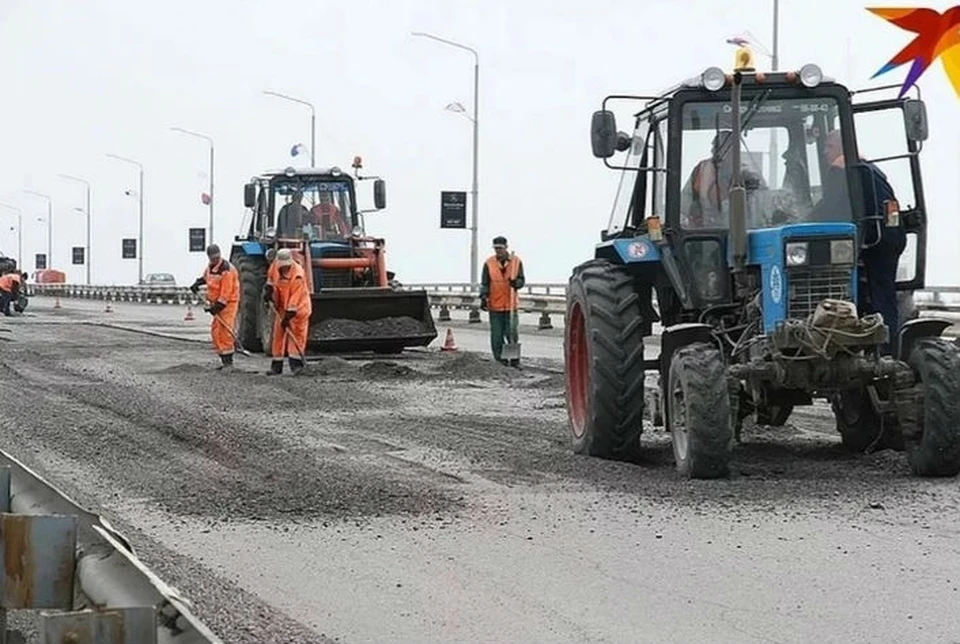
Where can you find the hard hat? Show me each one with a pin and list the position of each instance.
(213, 249)
(284, 257)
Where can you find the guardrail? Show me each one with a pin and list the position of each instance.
(545, 298)
(57, 555)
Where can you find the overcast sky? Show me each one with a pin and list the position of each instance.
(85, 78)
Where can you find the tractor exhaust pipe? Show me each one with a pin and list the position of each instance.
(738, 193)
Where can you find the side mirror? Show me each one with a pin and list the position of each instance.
(250, 195)
(915, 120)
(379, 194)
(603, 134)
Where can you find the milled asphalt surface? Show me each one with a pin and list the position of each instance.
(434, 498)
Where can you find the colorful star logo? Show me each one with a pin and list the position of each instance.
(938, 36)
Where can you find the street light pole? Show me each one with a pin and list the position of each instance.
(313, 122)
(86, 183)
(49, 225)
(210, 141)
(140, 224)
(774, 63)
(475, 191)
(19, 233)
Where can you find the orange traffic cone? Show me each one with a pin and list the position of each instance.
(56, 304)
(448, 343)
(108, 309)
(189, 316)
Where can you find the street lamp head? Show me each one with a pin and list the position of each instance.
(456, 107)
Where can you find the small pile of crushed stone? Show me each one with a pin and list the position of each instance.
(340, 328)
(385, 370)
(330, 366)
(467, 366)
(184, 369)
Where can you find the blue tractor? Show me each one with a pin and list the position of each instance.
(752, 280)
(357, 304)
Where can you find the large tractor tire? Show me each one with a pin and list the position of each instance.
(860, 425)
(775, 415)
(253, 277)
(699, 414)
(603, 352)
(936, 363)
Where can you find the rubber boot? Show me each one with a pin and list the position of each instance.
(515, 363)
(276, 368)
(226, 362)
(296, 366)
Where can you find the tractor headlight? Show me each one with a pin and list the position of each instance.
(713, 78)
(357, 231)
(841, 251)
(796, 253)
(810, 75)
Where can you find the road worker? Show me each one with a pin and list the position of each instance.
(502, 278)
(290, 298)
(223, 299)
(709, 184)
(328, 219)
(10, 284)
(881, 244)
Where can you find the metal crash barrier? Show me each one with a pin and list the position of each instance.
(83, 576)
(545, 299)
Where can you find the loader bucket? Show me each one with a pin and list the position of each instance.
(370, 319)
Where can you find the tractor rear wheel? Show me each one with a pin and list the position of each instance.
(253, 277)
(860, 425)
(936, 363)
(603, 355)
(699, 413)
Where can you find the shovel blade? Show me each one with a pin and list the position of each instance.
(511, 351)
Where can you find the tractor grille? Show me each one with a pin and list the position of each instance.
(811, 285)
(340, 278)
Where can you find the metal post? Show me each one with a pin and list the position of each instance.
(211, 205)
(475, 192)
(88, 252)
(140, 234)
(49, 225)
(19, 233)
(313, 121)
(774, 60)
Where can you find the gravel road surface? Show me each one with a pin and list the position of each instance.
(433, 498)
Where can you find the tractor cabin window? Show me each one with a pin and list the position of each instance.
(315, 210)
(785, 163)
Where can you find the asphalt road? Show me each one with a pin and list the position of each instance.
(434, 499)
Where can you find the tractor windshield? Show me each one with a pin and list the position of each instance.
(313, 209)
(792, 163)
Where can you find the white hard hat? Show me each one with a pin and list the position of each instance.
(284, 257)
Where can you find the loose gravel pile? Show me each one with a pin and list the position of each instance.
(342, 329)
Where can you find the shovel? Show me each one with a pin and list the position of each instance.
(236, 341)
(293, 340)
(511, 350)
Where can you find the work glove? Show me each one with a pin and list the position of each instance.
(195, 287)
(514, 283)
(267, 294)
(287, 316)
(483, 304)
(216, 307)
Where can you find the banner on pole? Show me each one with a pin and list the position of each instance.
(78, 254)
(129, 249)
(40, 261)
(198, 240)
(453, 209)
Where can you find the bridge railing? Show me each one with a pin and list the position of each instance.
(545, 299)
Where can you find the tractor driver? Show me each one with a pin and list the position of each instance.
(292, 217)
(710, 181)
(327, 217)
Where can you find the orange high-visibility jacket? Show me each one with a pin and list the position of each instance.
(223, 283)
(500, 295)
(291, 294)
(10, 282)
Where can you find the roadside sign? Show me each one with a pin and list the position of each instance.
(198, 240)
(40, 261)
(78, 254)
(453, 209)
(129, 249)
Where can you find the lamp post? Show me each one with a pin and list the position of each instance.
(49, 224)
(476, 137)
(210, 141)
(774, 64)
(19, 233)
(140, 225)
(86, 183)
(313, 121)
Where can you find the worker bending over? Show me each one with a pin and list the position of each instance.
(10, 285)
(502, 278)
(287, 293)
(223, 299)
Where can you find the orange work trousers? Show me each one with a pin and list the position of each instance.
(223, 342)
(282, 345)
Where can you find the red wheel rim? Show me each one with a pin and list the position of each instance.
(577, 375)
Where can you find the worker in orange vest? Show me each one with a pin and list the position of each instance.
(502, 278)
(290, 298)
(223, 300)
(10, 284)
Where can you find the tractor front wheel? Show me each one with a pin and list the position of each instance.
(936, 363)
(603, 354)
(699, 415)
(860, 426)
(253, 277)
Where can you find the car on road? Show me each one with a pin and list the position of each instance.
(159, 279)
